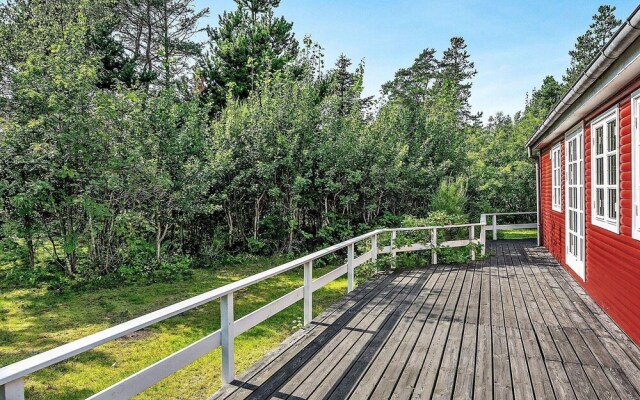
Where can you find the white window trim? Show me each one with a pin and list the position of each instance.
(556, 166)
(605, 223)
(635, 161)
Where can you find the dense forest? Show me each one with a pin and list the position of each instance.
(130, 150)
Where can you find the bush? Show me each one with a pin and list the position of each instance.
(172, 269)
(438, 218)
(451, 197)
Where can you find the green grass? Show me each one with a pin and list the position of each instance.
(518, 234)
(35, 320)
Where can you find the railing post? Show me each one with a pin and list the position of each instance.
(308, 292)
(434, 245)
(393, 244)
(495, 227)
(350, 274)
(374, 248)
(472, 236)
(483, 240)
(13, 390)
(227, 338)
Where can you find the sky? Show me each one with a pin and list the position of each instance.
(514, 44)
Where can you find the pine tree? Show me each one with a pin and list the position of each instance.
(158, 34)
(413, 83)
(543, 99)
(602, 28)
(456, 70)
(247, 45)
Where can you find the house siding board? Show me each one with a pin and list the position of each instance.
(553, 224)
(612, 260)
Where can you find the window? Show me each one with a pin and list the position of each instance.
(635, 157)
(556, 177)
(604, 150)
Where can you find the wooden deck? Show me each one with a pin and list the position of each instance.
(513, 326)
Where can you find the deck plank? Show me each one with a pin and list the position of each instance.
(343, 345)
(513, 325)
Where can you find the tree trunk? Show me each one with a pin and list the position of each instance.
(31, 250)
(161, 234)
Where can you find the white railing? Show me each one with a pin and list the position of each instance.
(493, 224)
(12, 376)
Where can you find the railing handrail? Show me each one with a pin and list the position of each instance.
(494, 227)
(513, 213)
(15, 372)
(61, 353)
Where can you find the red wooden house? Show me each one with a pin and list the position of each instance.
(588, 156)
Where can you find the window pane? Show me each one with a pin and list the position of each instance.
(611, 133)
(600, 202)
(612, 203)
(612, 170)
(600, 171)
(599, 141)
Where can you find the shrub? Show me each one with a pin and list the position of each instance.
(437, 218)
(451, 197)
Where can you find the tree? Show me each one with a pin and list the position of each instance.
(347, 86)
(49, 118)
(543, 99)
(247, 45)
(456, 70)
(412, 84)
(604, 24)
(158, 36)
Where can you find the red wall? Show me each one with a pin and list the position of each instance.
(612, 260)
(553, 222)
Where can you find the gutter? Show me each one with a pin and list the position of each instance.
(621, 40)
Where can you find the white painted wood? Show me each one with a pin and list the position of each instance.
(604, 221)
(374, 248)
(556, 177)
(517, 226)
(495, 227)
(413, 247)
(263, 313)
(393, 243)
(454, 243)
(635, 163)
(428, 228)
(329, 277)
(11, 376)
(434, 245)
(575, 210)
(483, 240)
(514, 213)
(350, 267)
(308, 292)
(338, 272)
(146, 378)
(472, 237)
(361, 259)
(54, 356)
(227, 338)
(13, 390)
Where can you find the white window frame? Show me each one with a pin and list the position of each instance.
(556, 177)
(605, 221)
(635, 163)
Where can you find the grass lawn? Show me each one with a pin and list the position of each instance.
(518, 234)
(34, 320)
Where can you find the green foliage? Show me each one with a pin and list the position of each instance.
(451, 197)
(247, 46)
(36, 320)
(604, 25)
(133, 158)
